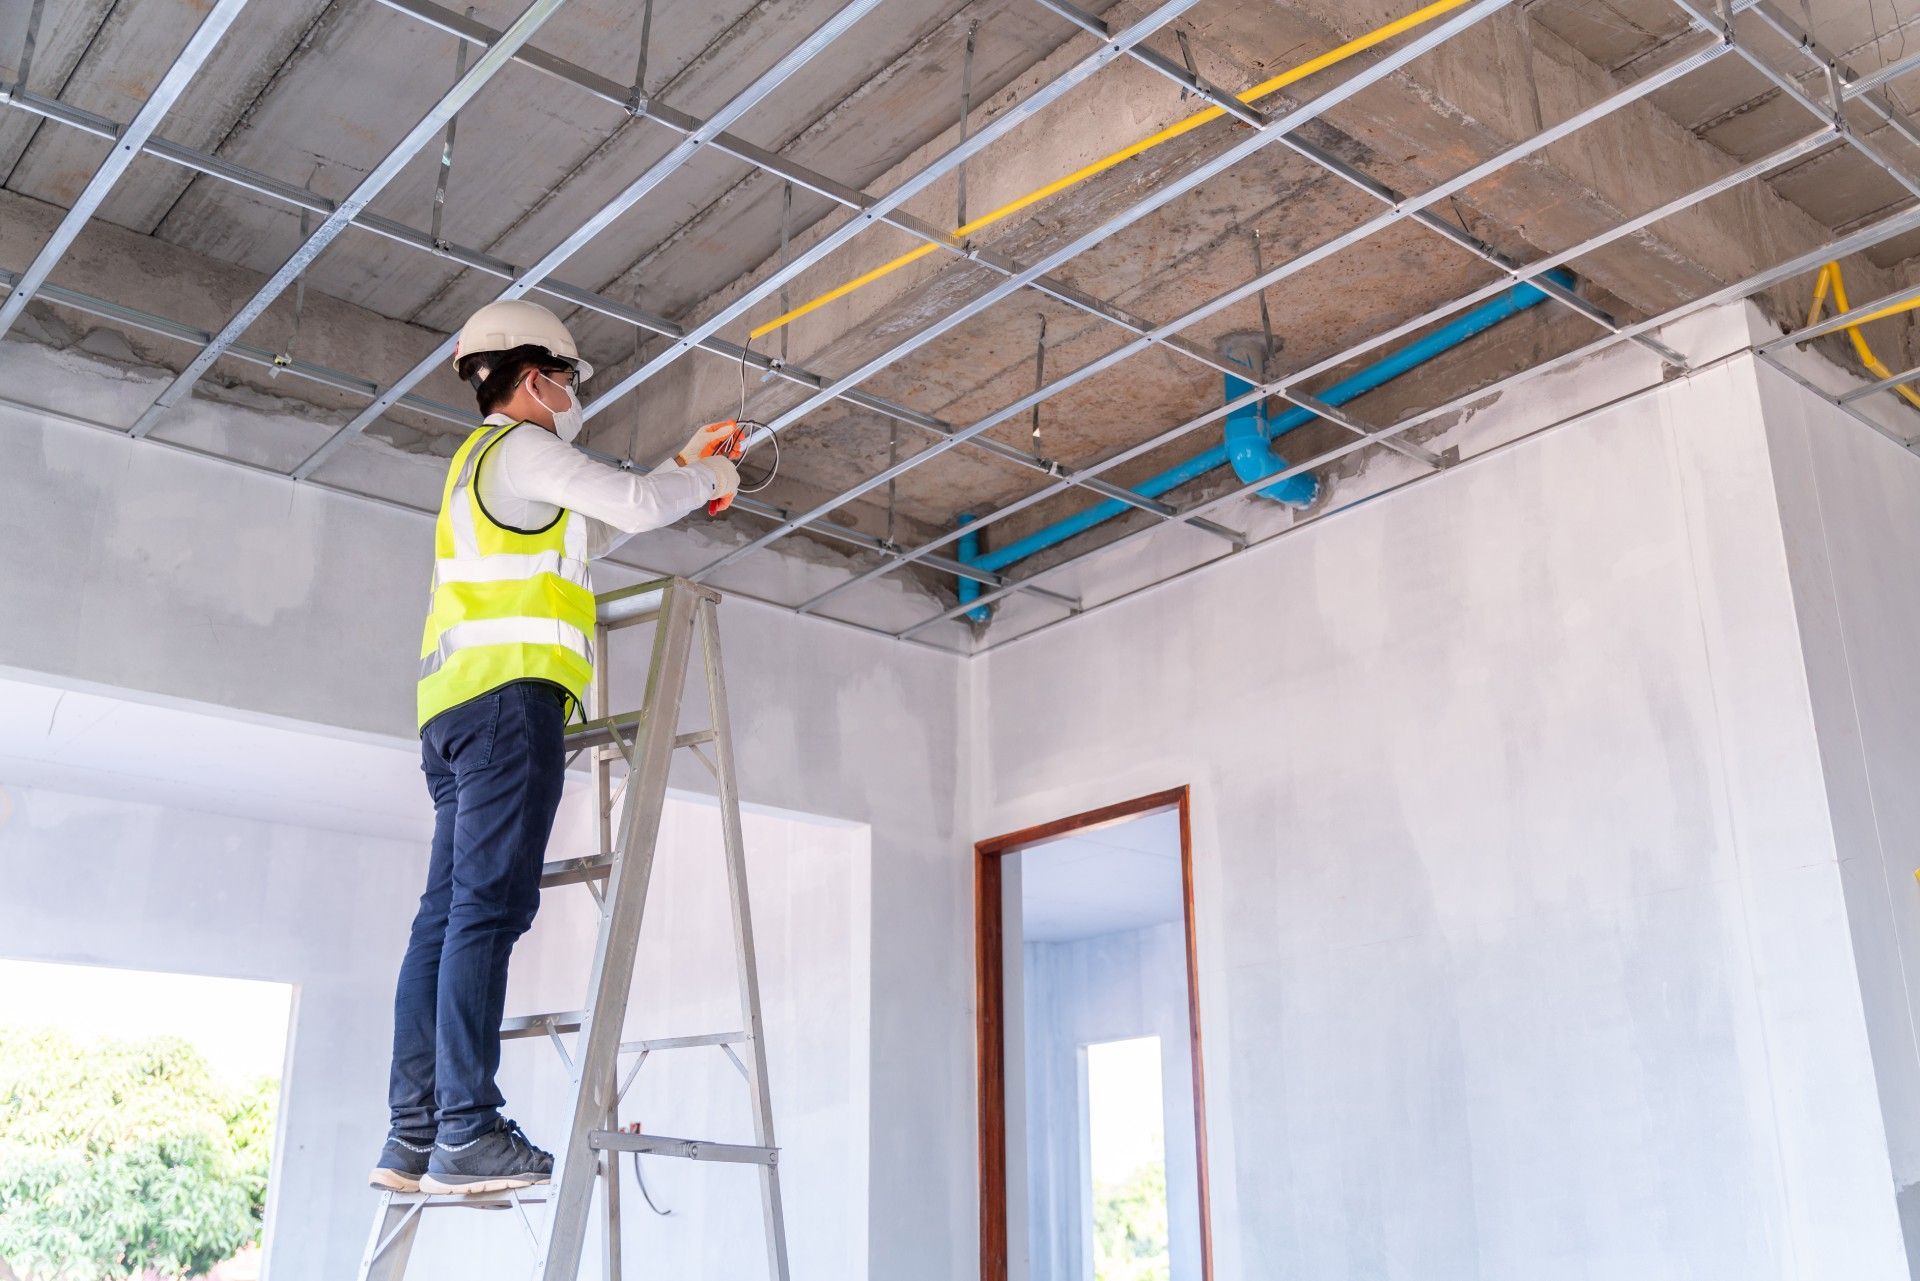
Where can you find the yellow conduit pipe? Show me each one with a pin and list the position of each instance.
(1359, 44)
(1831, 280)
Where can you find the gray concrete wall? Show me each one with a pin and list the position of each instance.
(1522, 938)
(179, 577)
(1850, 506)
(158, 571)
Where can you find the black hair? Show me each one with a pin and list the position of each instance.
(494, 374)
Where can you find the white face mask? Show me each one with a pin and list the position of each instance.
(566, 422)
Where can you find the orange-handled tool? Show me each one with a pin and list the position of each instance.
(732, 443)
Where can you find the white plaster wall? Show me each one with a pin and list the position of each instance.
(1850, 508)
(155, 571)
(1105, 988)
(1522, 943)
(94, 880)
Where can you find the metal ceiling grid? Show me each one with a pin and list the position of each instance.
(428, 127)
(1723, 40)
(868, 210)
(1399, 209)
(474, 32)
(500, 49)
(1154, 200)
(1842, 86)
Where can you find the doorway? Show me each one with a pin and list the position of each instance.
(1092, 1117)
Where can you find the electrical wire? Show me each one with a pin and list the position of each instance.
(746, 353)
(754, 436)
(772, 438)
(641, 1179)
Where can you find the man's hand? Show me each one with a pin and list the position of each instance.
(725, 478)
(722, 443)
(712, 439)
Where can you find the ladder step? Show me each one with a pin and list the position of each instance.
(685, 1042)
(687, 1149)
(525, 1025)
(476, 1201)
(608, 730)
(627, 606)
(644, 602)
(572, 871)
(599, 733)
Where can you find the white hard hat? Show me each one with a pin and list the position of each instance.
(502, 326)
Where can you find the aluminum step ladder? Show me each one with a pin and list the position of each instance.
(645, 741)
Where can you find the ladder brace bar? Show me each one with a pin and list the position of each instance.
(573, 871)
(688, 1149)
(610, 729)
(520, 1026)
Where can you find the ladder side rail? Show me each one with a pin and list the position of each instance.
(602, 768)
(614, 952)
(611, 1261)
(771, 1207)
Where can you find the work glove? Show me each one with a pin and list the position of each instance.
(724, 441)
(711, 439)
(725, 478)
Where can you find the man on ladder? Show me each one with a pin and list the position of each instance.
(505, 660)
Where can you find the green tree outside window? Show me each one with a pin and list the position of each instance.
(1130, 1226)
(123, 1158)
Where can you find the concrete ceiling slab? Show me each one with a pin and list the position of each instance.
(121, 65)
(1067, 893)
(1613, 32)
(66, 32)
(536, 156)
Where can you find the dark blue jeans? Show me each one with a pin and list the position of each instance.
(494, 766)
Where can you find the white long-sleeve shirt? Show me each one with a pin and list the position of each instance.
(530, 475)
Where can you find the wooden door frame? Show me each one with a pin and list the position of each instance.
(990, 1018)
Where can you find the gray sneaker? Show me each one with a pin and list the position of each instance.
(496, 1160)
(401, 1164)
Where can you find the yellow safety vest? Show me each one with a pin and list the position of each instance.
(507, 604)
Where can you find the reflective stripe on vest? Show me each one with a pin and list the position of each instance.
(506, 604)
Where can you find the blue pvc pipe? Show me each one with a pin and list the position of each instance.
(1419, 352)
(1262, 430)
(1058, 532)
(967, 552)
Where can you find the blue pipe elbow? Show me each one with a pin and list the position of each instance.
(1248, 435)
